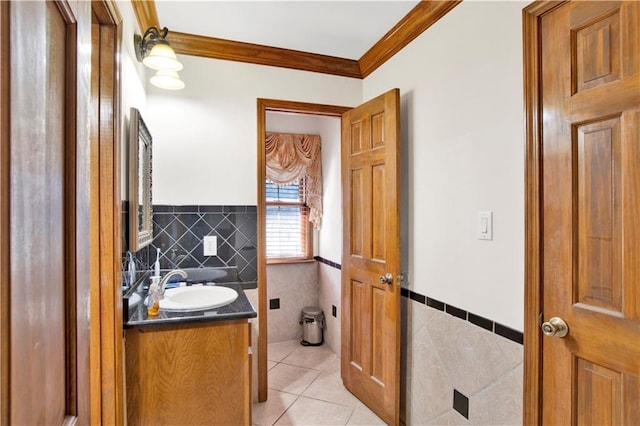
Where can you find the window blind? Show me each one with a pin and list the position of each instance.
(287, 219)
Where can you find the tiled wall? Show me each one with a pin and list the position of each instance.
(252, 295)
(290, 287)
(179, 230)
(141, 257)
(444, 353)
(329, 292)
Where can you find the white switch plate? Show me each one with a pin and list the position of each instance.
(485, 225)
(210, 244)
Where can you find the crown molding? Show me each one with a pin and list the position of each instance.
(421, 17)
(217, 48)
(146, 14)
(417, 21)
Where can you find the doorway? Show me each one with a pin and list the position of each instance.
(280, 107)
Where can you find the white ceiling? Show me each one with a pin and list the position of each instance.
(346, 29)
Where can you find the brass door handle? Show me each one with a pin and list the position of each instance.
(386, 278)
(555, 327)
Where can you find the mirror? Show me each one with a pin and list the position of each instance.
(140, 207)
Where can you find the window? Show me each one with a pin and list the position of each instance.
(288, 227)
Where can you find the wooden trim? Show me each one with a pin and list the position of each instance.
(285, 261)
(292, 107)
(106, 247)
(116, 263)
(146, 14)
(418, 20)
(217, 48)
(264, 105)
(531, 16)
(71, 229)
(4, 212)
(262, 254)
(107, 12)
(94, 230)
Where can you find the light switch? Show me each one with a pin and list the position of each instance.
(485, 225)
(210, 244)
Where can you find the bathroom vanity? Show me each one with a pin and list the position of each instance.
(191, 368)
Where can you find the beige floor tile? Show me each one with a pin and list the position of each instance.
(316, 357)
(271, 364)
(328, 387)
(332, 365)
(266, 413)
(310, 412)
(450, 418)
(280, 350)
(365, 417)
(290, 378)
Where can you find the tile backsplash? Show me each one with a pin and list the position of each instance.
(179, 231)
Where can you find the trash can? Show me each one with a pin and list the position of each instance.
(312, 320)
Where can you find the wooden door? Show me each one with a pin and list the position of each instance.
(370, 353)
(42, 346)
(590, 86)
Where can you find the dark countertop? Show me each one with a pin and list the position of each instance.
(241, 308)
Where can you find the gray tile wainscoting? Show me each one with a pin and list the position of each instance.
(445, 354)
(290, 287)
(329, 295)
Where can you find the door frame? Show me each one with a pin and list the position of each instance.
(264, 106)
(531, 28)
(106, 352)
(4, 212)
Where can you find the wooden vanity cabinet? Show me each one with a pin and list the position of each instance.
(190, 374)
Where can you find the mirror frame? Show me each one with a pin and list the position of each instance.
(140, 145)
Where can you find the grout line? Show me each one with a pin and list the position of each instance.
(298, 396)
(495, 381)
(352, 413)
(287, 409)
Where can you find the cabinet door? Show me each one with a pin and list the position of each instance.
(195, 375)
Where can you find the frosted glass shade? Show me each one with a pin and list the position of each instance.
(162, 57)
(167, 79)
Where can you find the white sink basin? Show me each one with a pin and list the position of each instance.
(134, 299)
(197, 298)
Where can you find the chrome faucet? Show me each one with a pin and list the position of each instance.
(167, 277)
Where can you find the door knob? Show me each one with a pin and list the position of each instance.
(555, 327)
(386, 278)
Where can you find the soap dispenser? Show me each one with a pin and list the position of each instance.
(153, 299)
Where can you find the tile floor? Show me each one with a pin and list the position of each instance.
(305, 388)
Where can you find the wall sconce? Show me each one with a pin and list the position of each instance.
(154, 51)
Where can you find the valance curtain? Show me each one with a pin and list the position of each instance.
(292, 156)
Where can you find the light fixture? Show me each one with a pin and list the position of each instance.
(153, 50)
(167, 79)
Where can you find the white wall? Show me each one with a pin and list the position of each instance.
(205, 137)
(462, 124)
(330, 234)
(292, 123)
(132, 84)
